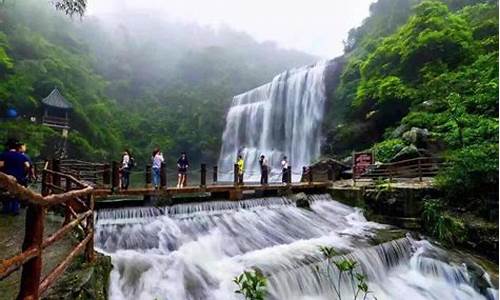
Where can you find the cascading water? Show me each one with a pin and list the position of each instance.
(193, 251)
(280, 118)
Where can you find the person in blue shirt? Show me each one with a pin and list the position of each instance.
(30, 174)
(15, 164)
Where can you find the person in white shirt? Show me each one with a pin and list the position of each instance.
(158, 159)
(125, 170)
(284, 167)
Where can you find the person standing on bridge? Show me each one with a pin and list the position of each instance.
(241, 168)
(182, 166)
(284, 170)
(127, 164)
(157, 161)
(264, 169)
(16, 164)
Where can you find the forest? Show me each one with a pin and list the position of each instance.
(420, 78)
(129, 88)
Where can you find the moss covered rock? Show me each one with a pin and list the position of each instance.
(84, 280)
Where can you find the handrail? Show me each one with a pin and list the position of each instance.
(30, 258)
(410, 168)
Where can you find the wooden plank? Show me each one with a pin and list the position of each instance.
(65, 229)
(7, 266)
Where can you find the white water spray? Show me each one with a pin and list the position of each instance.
(193, 251)
(281, 118)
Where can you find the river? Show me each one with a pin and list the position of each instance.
(193, 251)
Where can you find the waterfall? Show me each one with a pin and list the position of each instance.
(280, 118)
(193, 251)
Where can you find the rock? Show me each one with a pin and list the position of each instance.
(303, 204)
(301, 200)
(399, 131)
(410, 152)
(83, 280)
(347, 160)
(417, 136)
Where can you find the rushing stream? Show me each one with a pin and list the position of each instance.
(193, 251)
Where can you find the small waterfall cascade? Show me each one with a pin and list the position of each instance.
(193, 251)
(280, 118)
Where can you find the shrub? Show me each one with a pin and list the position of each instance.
(387, 149)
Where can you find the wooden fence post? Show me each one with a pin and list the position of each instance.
(67, 212)
(45, 190)
(203, 179)
(148, 176)
(215, 174)
(89, 248)
(106, 174)
(163, 175)
(115, 173)
(419, 171)
(33, 238)
(236, 174)
(56, 166)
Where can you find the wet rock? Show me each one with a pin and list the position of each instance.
(84, 280)
(301, 200)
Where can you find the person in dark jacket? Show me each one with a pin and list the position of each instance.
(182, 167)
(264, 169)
(16, 164)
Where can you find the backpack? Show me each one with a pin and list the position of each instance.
(131, 162)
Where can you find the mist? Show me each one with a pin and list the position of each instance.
(316, 27)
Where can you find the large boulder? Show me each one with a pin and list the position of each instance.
(417, 136)
(410, 152)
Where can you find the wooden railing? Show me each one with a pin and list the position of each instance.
(55, 121)
(90, 172)
(58, 189)
(412, 168)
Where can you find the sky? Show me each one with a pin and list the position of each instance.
(314, 26)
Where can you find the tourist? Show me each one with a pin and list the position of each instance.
(264, 169)
(284, 168)
(182, 166)
(127, 165)
(157, 158)
(15, 164)
(241, 168)
(30, 172)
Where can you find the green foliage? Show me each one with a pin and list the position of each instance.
(252, 285)
(386, 150)
(343, 267)
(436, 70)
(129, 89)
(472, 174)
(36, 136)
(442, 224)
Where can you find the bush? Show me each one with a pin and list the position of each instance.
(472, 174)
(441, 224)
(386, 150)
